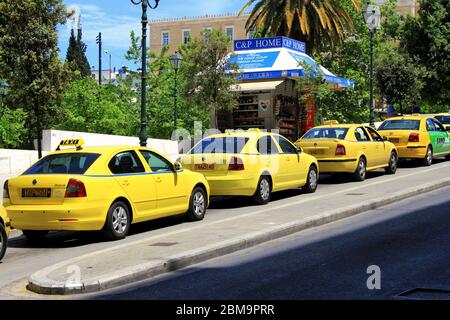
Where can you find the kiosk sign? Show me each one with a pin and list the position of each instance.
(269, 43)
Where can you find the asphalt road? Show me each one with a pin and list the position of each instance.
(24, 258)
(409, 241)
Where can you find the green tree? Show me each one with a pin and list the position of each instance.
(76, 55)
(206, 66)
(316, 22)
(399, 79)
(108, 109)
(427, 37)
(12, 127)
(32, 68)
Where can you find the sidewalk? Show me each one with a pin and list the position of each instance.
(126, 263)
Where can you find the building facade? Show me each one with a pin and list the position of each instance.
(178, 31)
(404, 6)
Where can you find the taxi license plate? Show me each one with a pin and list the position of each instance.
(316, 151)
(36, 193)
(204, 166)
(394, 140)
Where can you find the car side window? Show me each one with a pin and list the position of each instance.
(375, 136)
(361, 135)
(126, 162)
(286, 146)
(430, 125)
(266, 145)
(156, 162)
(439, 127)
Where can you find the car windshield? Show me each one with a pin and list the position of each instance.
(220, 145)
(334, 133)
(65, 163)
(443, 119)
(400, 125)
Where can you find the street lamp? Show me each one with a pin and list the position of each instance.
(175, 61)
(143, 132)
(109, 53)
(372, 16)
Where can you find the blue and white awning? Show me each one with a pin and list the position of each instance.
(279, 57)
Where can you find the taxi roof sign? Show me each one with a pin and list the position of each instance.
(71, 143)
(331, 122)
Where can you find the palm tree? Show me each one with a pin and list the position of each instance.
(316, 22)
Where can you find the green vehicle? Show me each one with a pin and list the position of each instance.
(417, 137)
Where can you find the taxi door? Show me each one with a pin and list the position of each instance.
(368, 147)
(171, 186)
(293, 173)
(129, 172)
(442, 138)
(381, 156)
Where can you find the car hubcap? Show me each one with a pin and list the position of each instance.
(429, 156)
(120, 220)
(312, 179)
(199, 203)
(362, 169)
(264, 189)
(393, 162)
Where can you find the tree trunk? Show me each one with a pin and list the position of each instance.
(213, 121)
(38, 131)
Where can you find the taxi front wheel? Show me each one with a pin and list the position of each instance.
(3, 241)
(311, 183)
(118, 221)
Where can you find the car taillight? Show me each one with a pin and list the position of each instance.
(6, 190)
(75, 189)
(413, 137)
(340, 150)
(236, 164)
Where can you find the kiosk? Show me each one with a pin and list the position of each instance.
(268, 98)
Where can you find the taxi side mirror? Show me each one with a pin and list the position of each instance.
(177, 166)
(385, 139)
(447, 128)
(299, 150)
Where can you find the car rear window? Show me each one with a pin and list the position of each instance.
(220, 145)
(443, 119)
(400, 125)
(317, 133)
(65, 163)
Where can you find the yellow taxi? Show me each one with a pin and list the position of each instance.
(352, 148)
(102, 188)
(252, 163)
(4, 231)
(417, 137)
(444, 119)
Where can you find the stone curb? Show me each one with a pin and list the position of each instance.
(40, 283)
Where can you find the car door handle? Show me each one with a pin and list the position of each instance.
(158, 179)
(126, 183)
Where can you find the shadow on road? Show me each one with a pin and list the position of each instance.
(410, 248)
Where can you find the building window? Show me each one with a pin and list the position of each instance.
(186, 36)
(229, 31)
(165, 38)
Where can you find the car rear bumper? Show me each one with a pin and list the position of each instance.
(337, 165)
(411, 152)
(57, 217)
(233, 185)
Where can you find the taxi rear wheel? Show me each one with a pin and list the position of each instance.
(311, 183)
(197, 205)
(263, 191)
(392, 167)
(361, 170)
(428, 160)
(3, 241)
(118, 221)
(35, 235)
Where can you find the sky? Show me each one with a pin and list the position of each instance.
(116, 18)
